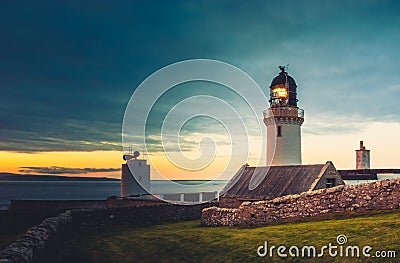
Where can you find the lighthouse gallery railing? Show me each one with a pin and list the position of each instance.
(284, 112)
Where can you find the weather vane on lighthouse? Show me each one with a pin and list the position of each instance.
(283, 120)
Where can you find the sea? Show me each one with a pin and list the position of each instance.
(100, 190)
(380, 177)
(91, 190)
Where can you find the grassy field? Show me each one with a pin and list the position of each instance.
(189, 242)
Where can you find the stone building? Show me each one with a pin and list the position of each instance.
(265, 183)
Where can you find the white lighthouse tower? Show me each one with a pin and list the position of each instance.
(283, 120)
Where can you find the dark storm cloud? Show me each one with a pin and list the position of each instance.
(65, 170)
(67, 70)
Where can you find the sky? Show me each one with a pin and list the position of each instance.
(68, 70)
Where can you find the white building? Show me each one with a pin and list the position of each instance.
(135, 178)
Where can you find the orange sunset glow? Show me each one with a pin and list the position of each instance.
(338, 148)
(12, 161)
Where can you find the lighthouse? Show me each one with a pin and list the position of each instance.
(283, 120)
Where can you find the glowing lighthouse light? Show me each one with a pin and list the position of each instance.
(280, 92)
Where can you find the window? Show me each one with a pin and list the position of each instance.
(330, 182)
(140, 178)
(140, 163)
(279, 131)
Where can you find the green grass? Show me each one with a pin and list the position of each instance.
(189, 242)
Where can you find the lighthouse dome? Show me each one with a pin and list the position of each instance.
(281, 79)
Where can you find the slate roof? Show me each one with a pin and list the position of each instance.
(273, 181)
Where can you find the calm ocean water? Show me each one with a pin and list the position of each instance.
(98, 190)
(88, 190)
(380, 177)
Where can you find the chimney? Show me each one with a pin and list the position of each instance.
(362, 157)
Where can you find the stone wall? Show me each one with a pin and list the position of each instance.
(42, 243)
(159, 213)
(229, 202)
(62, 205)
(117, 202)
(379, 195)
(39, 243)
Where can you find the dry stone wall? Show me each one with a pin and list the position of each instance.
(39, 243)
(380, 195)
(44, 242)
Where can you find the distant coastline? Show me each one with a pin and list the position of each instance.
(25, 177)
(11, 177)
